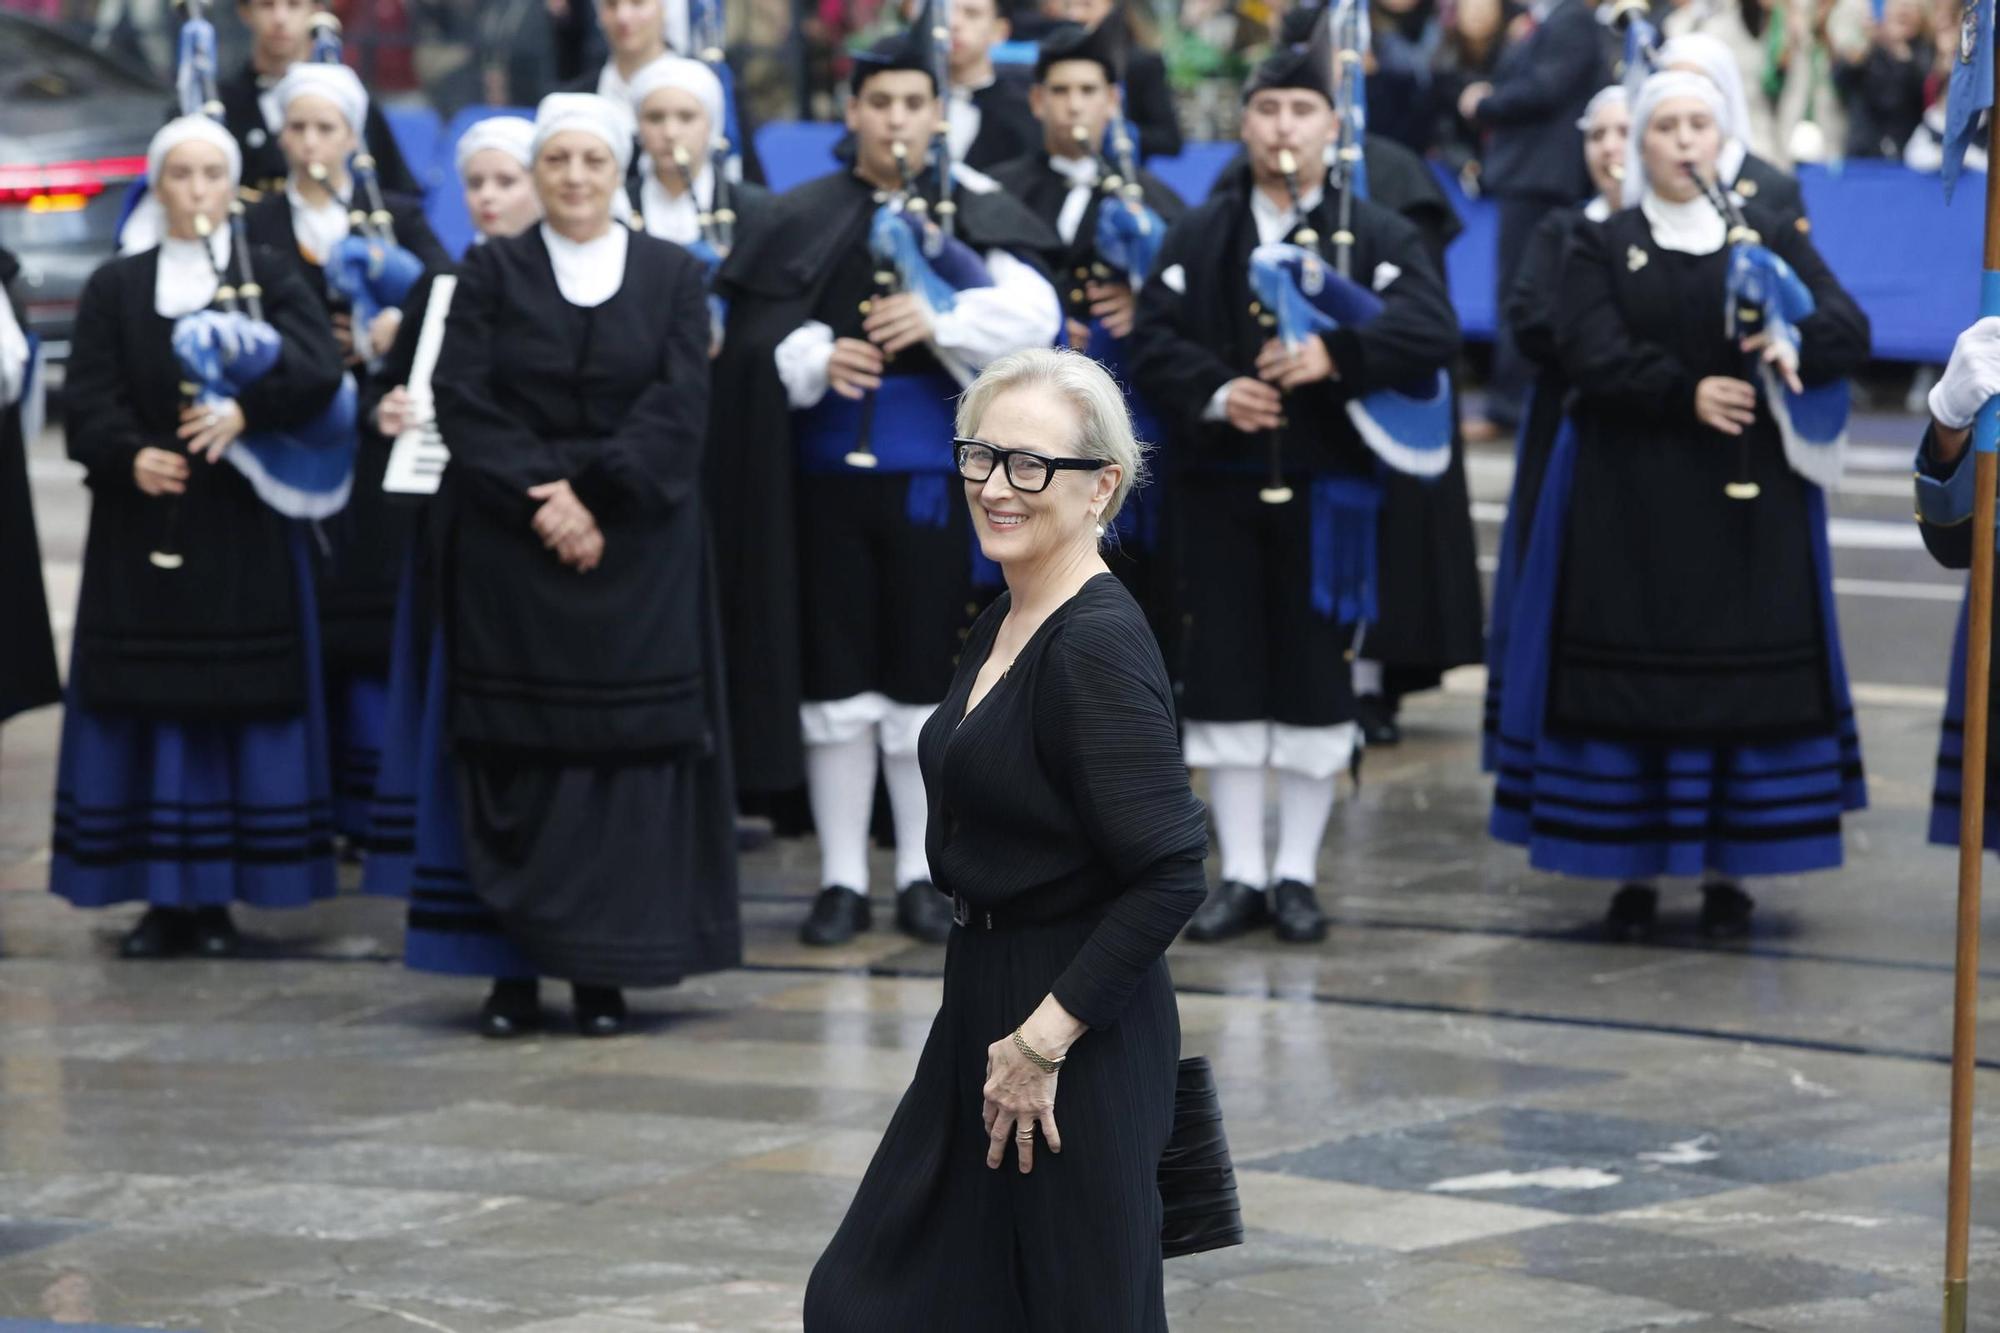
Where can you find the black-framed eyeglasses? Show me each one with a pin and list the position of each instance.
(1026, 471)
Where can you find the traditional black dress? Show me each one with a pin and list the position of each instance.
(1061, 816)
(27, 656)
(1944, 514)
(584, 709)
(360, 561)
(1531, 313)
(193, 770)
(1675, 697)
(1138, 557)
(251, 115)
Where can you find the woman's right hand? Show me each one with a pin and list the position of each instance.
(1725, 404)
(392, 414)
(159, 471)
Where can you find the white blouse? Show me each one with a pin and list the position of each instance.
(588, 273)
(676, 218)
(186, 279)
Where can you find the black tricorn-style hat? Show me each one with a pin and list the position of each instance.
(1300, 60)
(914, 48)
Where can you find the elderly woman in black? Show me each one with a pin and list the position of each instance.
(1063, 827)
(583, 687)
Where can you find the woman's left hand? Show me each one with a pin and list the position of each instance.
(207, 430)
(1018, 1096)
(562, 519)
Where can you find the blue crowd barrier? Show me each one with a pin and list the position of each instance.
(1910, 260)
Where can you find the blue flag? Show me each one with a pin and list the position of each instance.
(1971, 90)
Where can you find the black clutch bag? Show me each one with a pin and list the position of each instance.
(1198, 1205)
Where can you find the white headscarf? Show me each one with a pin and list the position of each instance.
(512, 135)
(336, 83)
(1612, 94)
(1712, 56)
(601, 116)
(1656, 89)
(147, 226)
(690, 76)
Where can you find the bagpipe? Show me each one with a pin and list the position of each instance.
(1300, 297)
(1128, 234)
(913, 254)
(304, 473)
(1763, 295)
(707, 31)
(367, 269)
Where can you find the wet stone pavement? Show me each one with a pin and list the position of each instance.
(1461, 1114)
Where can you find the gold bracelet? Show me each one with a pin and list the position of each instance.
(1035, 1057)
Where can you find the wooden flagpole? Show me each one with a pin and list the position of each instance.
(1972, 808)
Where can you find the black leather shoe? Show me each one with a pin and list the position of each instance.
(1232, 908)
(923, 913)
(1296, 912)
(1725, 911)
(513, 1008)
(837, 916)
(163, 932)
(1377, 717)
(600, 1010)
(215, 934)
(1629, 919)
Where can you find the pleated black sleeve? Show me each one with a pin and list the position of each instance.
(102, 430)
(1596, 347)
(1104, 720)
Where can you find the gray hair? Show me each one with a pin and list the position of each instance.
(1106, 431)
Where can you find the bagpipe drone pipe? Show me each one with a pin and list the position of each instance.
(367, 269)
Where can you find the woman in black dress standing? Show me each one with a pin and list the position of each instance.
(581, 646)
(1063, 827)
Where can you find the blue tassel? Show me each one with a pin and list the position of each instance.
(1345, 511)
(928, 503)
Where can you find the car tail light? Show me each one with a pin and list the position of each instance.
(64, 187)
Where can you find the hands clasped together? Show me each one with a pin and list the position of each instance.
(566, 527)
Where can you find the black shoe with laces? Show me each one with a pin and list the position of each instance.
(513, 1008)
(837, 916)
(923, 913)
(215, 934)
(1233, 908)
(1725, 911)
(163, 932)
(1296, 914)
(1629, 919)
(600, 1010)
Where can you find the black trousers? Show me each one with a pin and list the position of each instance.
(936, 1241)
(883, 599)
(1253, 648)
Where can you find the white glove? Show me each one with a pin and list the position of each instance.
(1972, 377)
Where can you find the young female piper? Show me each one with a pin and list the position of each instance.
(678, 104)
(582, 655)
(1676, 703)
(193, 771)
(494, 160)
(322, 107)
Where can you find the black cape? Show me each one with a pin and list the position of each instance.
(27, 650)
(1007, 127)
(264, 161)
(773, 280)
(1531, 313)
(361, 561)
(1684, 616)
(1043, 190)
(219, 637)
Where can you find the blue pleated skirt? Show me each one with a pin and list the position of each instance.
(1949, 783)
(1612, 809)
(448, 928)
(198, 814)
(391, 839)
(357, 710)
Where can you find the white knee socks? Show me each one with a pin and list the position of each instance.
(840, 783)
(911, 810)
(1304, 805)
(1236, 799)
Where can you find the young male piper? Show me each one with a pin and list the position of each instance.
(1277, 591)
(841, 394)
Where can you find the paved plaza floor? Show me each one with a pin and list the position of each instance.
(1461, 1114)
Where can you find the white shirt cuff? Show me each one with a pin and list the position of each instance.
(1218, 404)
(802, 361)
(1018, 311)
